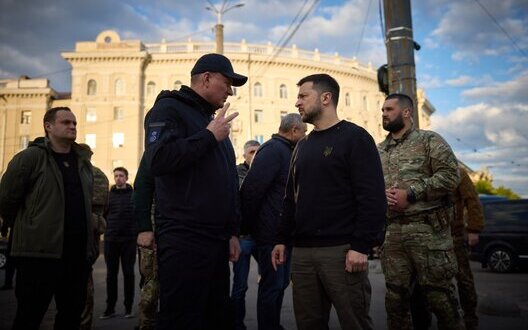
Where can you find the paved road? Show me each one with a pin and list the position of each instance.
(498, 293)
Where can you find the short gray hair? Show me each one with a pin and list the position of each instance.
(251, 143)
(290, 121)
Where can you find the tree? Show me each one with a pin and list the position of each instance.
(486, 187)
(507, 192)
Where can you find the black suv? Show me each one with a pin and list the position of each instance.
(503, 244)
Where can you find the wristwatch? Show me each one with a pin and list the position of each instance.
(411, 197)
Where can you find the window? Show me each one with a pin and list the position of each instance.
(365, 103)
(118, 140)
(91, 115)
(24, 141)
(259, 116)
(259, 138)
(119, 113)
(257, 90)
(347, 99)
(177, 84)
(234, 91)
(283, 113)
(92, 87)
(283, 91)
(119, 87)
(90, 139)
(25, 117)
(151, 88)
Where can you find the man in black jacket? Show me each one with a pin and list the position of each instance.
(247, 246)
(334, 211)
(120, 243)
(196, 189)
(261, 195)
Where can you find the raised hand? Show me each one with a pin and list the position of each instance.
(221, 125)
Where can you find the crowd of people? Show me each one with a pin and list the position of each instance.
(308, 208)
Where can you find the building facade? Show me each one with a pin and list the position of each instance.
(115, 83)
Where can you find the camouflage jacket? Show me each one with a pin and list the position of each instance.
(423, 162)
(99, 200)
(467, 207)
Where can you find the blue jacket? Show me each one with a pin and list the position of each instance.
(196, 183)
(262, 191)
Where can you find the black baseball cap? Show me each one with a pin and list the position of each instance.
(218, 63)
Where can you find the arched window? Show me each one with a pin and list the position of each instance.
(257, 89)
(283, 91)
(119, 87)
(365, 103)
(151, 88)
(92, 87)
(347, 99)
(177, 85)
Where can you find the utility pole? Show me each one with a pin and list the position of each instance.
(400, 50)
(219, 27)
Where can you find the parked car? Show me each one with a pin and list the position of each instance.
(503, 244)
(3, 253)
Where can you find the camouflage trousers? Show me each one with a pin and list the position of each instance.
(148, 301)
(87, 314)
(417, 251)
(465, 283)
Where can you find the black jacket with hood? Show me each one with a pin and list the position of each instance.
(196, 183)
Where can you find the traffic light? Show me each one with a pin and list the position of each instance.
(383, 79)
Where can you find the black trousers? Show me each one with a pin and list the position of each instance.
(194, 282)
(124, 252)
(40, 279)
(10, 262)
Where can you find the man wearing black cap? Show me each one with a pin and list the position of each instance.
(196, 185)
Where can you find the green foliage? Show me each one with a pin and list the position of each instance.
(506, 192)
(485, 187)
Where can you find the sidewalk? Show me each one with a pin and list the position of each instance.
(502, 302)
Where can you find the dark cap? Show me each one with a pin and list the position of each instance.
(218, 63)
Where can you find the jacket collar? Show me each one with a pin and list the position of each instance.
(205, 106)
(284, 140)
(390, 142)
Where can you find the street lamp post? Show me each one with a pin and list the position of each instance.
(219, 27)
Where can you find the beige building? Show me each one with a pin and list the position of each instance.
(115, 82)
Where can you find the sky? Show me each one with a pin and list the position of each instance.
(473, 61)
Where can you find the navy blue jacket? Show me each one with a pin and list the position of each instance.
(262, 191)
(196, 183)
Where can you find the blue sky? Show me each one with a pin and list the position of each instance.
(472, 72)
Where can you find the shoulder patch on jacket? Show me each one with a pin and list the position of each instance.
(154, 131)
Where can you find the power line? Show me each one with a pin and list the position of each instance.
(285, 42)
(382, 23)
(501, 28)
(191, 34)
(363, 29)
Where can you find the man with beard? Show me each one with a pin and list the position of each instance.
(333, 212)
(420, 173)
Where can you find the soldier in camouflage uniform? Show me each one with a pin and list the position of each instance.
(99, 204)
(468, 223)
(148, 265)
(467, 207)
(420, 173)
